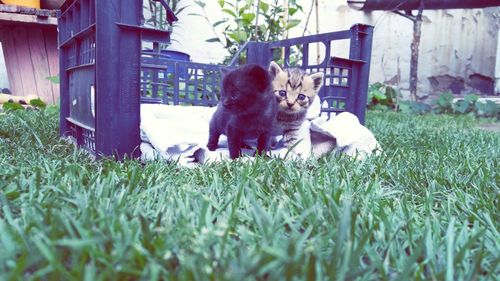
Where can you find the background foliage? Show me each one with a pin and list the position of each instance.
(385, 97)
(244, 20)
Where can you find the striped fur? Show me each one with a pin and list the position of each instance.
(295, 90)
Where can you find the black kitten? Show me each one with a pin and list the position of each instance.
(247, 109)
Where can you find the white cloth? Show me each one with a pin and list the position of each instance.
(180, 133)
(351, 137)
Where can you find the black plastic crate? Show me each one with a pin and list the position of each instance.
(105, 73)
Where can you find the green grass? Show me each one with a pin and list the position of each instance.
(427, 209)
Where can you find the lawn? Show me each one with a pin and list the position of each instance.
(426, 209)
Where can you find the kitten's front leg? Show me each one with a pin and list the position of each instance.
(213, 142)
(234, 142)
(213, 135)
(263, 143)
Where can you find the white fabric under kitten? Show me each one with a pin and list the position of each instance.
(180, 133)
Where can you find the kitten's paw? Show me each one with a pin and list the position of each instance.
(212, 146)
(233, 154)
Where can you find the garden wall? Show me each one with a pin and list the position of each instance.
(458, 48)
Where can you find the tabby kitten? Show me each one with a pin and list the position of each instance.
(295, 91)
(246, 110)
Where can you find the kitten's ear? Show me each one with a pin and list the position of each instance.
(274, 69)
(317, 80)
(260, 77)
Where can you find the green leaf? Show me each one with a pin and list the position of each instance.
(243, 9)
(211, 40)
(11, 192)
(390, 93)
(238, 36)
(292, 24)
(264, 7)
(53, 79)
(375, 94)
(487, 109)
(217, 23)
(200, 3)
(445, 99)
(467, 246)
(404, 107)
(450, 245)
(420, 107)
(247, 18)
(379, 96)
(180, 10)
(444, 103)
(275, 252)
(77, 243)
(30, 129)
(471, 98)
(229, 12)
(461, 106)
(221, 3)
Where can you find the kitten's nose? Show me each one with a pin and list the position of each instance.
(289, 104)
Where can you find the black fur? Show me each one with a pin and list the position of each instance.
(246, 110)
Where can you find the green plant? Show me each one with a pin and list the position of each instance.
(470, 103)
(414, 107)
(35, 103)
(38, 103)
(443, 103)
(11, 106)
(381, 96)
(465, 105)
(246, 21)
(157, 17)
(488, 109)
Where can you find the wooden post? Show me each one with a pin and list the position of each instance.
(285, 32)
(257, 13)
(285, 19)
(417, 32)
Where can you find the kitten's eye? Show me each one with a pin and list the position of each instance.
(301, 97)
(282, 93)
